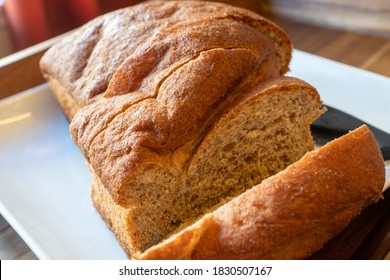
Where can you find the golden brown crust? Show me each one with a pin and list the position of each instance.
(292, 214)
(92, 54)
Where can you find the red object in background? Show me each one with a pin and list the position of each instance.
(33, 21)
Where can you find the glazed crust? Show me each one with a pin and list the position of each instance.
(292, 214)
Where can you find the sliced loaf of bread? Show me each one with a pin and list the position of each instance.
(180, 108)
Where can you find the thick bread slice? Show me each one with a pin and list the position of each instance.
(160, 189)
(144, 43)
(292, 214)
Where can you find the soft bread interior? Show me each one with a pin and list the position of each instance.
(256, 138)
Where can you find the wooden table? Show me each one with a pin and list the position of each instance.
(20, 72)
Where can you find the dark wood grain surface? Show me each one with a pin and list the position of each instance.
(368, 237)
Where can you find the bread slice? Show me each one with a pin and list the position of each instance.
(159, 190)
(292, 214)
(140, 46)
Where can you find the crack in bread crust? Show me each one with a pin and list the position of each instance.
(154, 95)
(138, 22)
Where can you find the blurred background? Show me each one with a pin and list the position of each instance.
(24, 23)
(27, 22)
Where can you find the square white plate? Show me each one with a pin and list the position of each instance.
(45, 184)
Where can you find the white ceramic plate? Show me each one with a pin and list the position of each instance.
(45, 184)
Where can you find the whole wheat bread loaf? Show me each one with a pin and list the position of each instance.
(178, 106)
